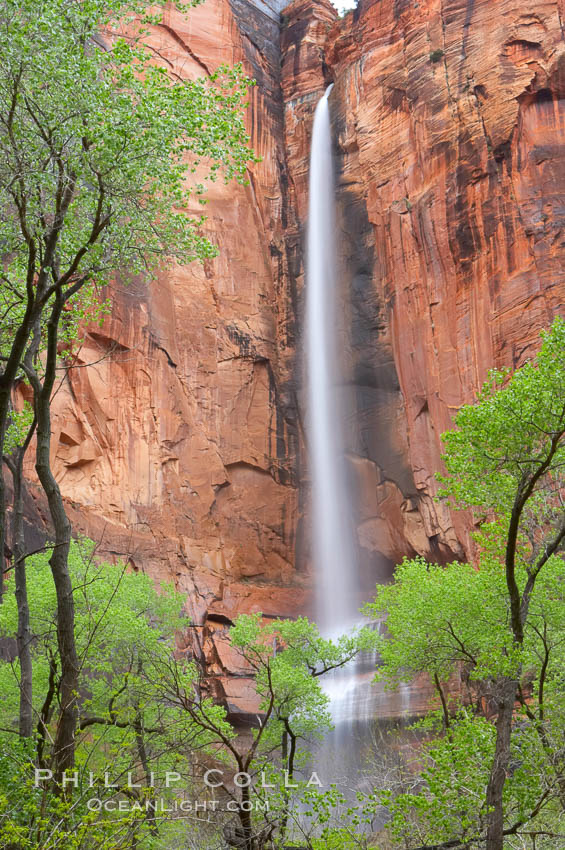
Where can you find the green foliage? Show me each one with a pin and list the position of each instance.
(454, 775)
(119, 619)
(31, 819)
(494, 626)
(105, 157)
(100, 150)
(506, 435)
(20, 423)
(439, 618)
(289, 657)
(134, 689)
(125, 630)
(444, 621)
(436, 56)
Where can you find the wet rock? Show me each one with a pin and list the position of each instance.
(180, 447)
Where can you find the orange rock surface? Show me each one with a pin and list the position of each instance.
(180, 447)
(176, 448)
(449, 120)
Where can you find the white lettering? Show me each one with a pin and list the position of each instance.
(70, 780)
(287, 783)
(170, 777)
(131, 783)
(264, 783)
(41, 774)
(107, 783)
(207, 775)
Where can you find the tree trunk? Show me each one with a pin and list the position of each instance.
(245, 820)
(7, 380)
(65, 737)
(59, 561)
(24, 631)
(499, 770)
(4, 407)
(144, 761)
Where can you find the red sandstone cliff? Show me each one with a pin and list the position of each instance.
(450, 138)
(177, 448)
(180, 448)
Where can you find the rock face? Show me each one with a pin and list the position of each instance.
(449, 124)
(180, 448)
(177, 448)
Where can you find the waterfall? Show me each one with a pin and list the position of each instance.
(356, 739)
(334, 556)
(333, 549)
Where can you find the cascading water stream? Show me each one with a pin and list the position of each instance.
(356, 739)
(333, 547)
(333, 540)
(354, 702)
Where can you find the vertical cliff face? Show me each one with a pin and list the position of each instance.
(176, 447)
(180, 447)
(449, 121)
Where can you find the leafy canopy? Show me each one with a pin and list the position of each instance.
(122, 624)
(99, 148)
(506, 435)
(144, 707)
(494, 626)
(125, 633)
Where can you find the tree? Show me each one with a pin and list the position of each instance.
(144, 709)
(98, 144)
(287, 658)
(125, 632)
(499, 622)
(18, 438)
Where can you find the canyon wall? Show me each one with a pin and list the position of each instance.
(180, 448)
(450, 141)
(175, 434)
